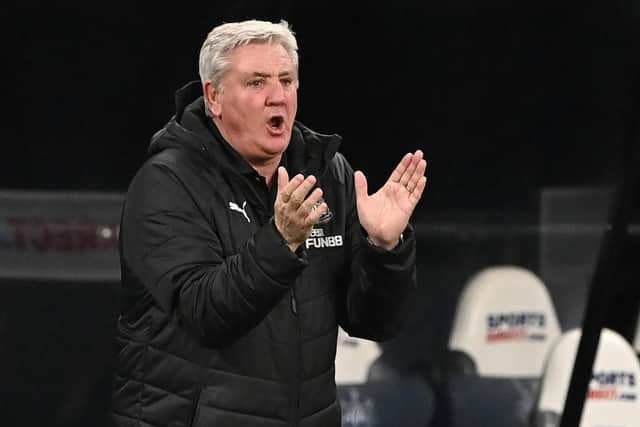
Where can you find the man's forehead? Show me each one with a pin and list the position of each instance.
(262, 58)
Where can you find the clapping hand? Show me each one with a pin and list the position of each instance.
(385, 214)
(295, 210)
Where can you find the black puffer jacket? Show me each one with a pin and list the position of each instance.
(221, 324)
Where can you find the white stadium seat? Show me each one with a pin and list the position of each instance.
(505, 322)
(613, 398)
(387, 401)
(504, 326)
(354, 357)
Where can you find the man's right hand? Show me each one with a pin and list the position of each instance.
(294, 212)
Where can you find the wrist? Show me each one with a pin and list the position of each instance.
(293, 246)
(383, 244)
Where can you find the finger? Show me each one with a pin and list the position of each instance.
(315, 215)
(360, 183)
(283, 180)
(300, 193)
(416, 194)
(290, 187)
(400, 168)
(307, 206)
(417, 174)
(411, 168)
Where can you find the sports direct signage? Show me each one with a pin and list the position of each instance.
(516, 326)
(56, 235)
(613, 385)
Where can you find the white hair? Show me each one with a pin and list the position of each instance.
(223, 39)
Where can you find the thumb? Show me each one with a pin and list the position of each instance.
(283, 178)
(360, 182)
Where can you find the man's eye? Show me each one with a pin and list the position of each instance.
(255, 83)
(286, 82)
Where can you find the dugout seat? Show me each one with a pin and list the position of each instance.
(613, 398)
(504, 326)
(389, 400)
(354, 357)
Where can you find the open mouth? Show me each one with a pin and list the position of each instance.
(276, 123)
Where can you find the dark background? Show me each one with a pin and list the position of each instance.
(505, 98)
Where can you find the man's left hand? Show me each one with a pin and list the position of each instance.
(385, 214)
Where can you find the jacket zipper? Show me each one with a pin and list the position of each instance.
(298, 378)
(294, 303)
(195, 408)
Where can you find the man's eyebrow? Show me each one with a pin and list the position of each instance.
(266, 75)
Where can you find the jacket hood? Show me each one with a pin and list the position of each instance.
(190, 128)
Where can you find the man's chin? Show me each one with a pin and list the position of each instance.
(275, 146)
(280, 141)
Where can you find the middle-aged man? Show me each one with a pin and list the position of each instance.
(246, 240)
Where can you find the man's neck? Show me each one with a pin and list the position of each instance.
(267, 169)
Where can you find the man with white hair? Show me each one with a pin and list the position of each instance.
(246, 240)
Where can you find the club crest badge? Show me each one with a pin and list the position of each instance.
(326, 217)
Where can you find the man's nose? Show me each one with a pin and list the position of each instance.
(276, 94)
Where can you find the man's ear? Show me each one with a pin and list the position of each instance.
(212, 96)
